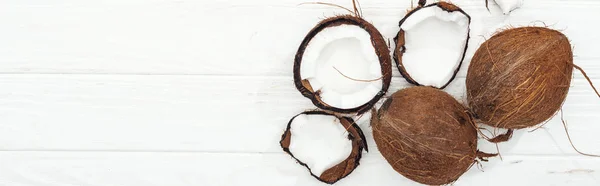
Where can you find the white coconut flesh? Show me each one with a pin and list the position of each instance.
(509, 5)
(435, 42)
(349, 49)
(319, 141)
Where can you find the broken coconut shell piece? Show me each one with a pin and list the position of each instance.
(506, 6)
(426, 135)
(343, 65)
(330, 147)
(431, 44)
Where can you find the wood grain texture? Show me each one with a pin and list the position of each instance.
(204, 114)
(184, 169)
(227, 37)
(193, 92)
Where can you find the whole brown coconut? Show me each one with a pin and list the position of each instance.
(426, 135)
(520, 77)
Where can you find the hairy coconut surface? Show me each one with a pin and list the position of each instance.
(520, 77)
(426, 135)
(431, 44)
(343, 65)
(330, 147)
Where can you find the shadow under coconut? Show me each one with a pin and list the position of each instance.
(485, 146)
(504, 148)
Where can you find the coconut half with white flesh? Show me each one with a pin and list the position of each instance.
(329, 146)
(431, 44)
(343, 65)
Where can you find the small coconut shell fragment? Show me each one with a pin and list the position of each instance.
(342, 169)
(420, 72)
(426, 135)
(520, 77)
(506, 6)
(380, 50)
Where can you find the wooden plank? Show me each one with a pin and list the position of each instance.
(205, 114)
(225, 37)
(208, 169)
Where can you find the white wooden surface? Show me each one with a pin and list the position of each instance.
(193, 92)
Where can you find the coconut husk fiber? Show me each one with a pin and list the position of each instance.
(426, 135)
(520, 77)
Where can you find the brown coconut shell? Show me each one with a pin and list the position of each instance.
(400, 48)
(379, 45)
(426, 135)
(520, 77)
(342, 169)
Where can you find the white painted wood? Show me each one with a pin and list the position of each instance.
(204, 114)
(225, 37)
(193, 92)
(209, 169)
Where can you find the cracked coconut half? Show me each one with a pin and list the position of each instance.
(330, 147)
(431, 44)
(343, 65)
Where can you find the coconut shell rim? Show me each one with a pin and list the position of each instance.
(400, 48)
(361, 137)
(379, 45)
